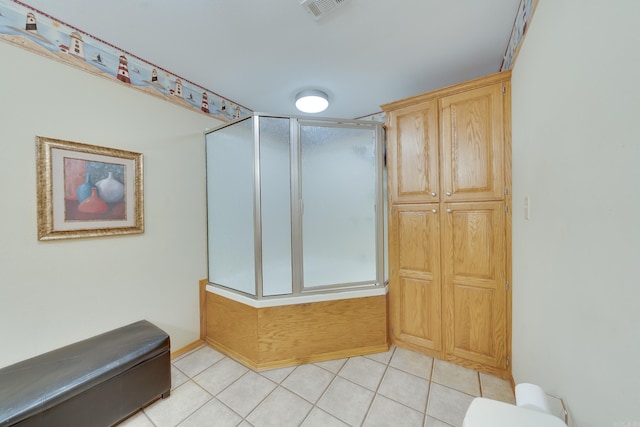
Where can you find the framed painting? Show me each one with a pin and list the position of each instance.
(87, 191)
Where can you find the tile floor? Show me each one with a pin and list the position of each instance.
(395, 388)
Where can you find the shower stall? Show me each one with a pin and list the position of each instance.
(296, 213)
(295, 205)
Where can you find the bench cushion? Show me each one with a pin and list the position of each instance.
(34, 385)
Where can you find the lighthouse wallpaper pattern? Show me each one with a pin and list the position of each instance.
(523, 17)
(35, 31)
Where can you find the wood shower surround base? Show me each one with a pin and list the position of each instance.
(273, 337)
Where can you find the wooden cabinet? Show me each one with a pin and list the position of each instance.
(413, 137)
(472, 135)
(415, 302)
(448, 157)
(474, 294)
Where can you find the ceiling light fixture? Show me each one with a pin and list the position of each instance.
(312, 101)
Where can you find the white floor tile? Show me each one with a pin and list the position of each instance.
(175, 359)
(346, 401)
(183, 401)
(447, 404)
(246, 393)
(383, 358)
(392, 388)
(137, 420)
(385, 412)
(456, 377)
(177, 377)
(496, 388)
(278, 375)
(405, 388)
(412, 362)
(308, 381)
(212, 413)
(363, 371)
(332, 365)
(319, 418)
(434, 422)
(216, 378)
(281, 408)
(197, 361)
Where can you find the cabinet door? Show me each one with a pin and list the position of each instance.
(474, 287)
(415, 288)
(412, 155)
(472, 133)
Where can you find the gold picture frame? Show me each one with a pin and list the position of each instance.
(87, 191)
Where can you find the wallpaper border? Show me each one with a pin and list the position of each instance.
(40, 33)
(524, 15)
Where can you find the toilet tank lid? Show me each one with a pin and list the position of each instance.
(491, 413)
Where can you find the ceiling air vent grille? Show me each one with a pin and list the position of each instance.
(319, 8)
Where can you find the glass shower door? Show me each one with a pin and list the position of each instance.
(275, 206)
(230, 206)
(338, 205)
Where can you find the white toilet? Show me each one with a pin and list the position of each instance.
(491, 413)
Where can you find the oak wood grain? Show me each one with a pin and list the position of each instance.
(269, 337)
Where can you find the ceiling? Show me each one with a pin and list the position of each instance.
(260, 53)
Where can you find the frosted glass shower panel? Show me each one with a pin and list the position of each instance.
(230, 201)
(275, 196)
(338, 176)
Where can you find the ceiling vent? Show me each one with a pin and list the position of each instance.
(319, 8)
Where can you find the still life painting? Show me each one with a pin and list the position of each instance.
(87, 191)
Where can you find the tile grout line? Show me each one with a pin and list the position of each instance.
(179, 370)
(335, 375)
(144, 410)
(375, 393)
(259, 403)
(229, 385)
(426, 405)
(148, 419)
(388, 365)
(269, 394)
(280, 384)
(199, 407)
(314, 405)
(195, 351)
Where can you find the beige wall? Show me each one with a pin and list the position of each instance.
(54, 293)
(576, 154)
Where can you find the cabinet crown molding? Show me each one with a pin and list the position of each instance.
(503, 76)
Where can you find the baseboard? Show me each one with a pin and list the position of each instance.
(187, 348)
(343, 354)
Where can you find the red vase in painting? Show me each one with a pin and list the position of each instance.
(93, 204)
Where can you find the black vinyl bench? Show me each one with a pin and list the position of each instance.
(95, 382)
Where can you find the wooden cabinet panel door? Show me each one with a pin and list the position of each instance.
(415, 288)
(472, 149)
(412, 154)
(474, 283)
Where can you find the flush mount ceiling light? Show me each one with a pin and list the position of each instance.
(312, 101)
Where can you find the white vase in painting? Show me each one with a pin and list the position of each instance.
(110, 189)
